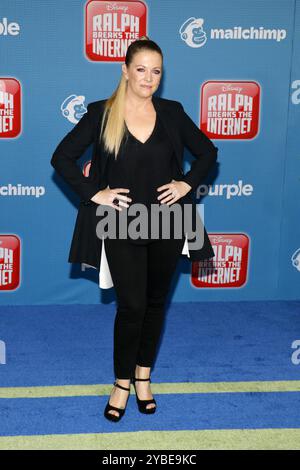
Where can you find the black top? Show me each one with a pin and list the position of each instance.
(142, 168)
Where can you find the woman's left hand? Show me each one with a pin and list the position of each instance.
(174, 191)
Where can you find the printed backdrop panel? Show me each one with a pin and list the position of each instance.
(233, 65)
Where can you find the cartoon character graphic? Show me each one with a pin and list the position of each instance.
(192, 32)
(73, 108)
(296, 259)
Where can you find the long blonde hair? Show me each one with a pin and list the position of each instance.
(114, 107)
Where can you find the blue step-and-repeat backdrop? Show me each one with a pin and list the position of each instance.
(235, 67)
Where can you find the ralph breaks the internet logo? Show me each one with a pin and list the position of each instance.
(9, 262)
(230, 110)
(110, 27)
(10, 107)
(229, 266)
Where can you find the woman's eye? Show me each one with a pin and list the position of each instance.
(142, 70)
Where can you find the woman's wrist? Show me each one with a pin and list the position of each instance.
(188, 186)
(92, 198)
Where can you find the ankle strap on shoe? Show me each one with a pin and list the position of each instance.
(120, 386)
(143, 379)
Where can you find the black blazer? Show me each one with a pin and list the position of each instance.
(183, 132)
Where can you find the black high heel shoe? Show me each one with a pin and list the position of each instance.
(142, 404)
(121, 411)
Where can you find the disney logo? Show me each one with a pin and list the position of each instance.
(114, 6)
(219, 238)
(231, 88)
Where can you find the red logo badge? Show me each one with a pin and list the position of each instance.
(229, 267)
(110, 27)
(10, 107)
(9, 262)
(230, 110)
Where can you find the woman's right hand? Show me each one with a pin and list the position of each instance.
(107, 195)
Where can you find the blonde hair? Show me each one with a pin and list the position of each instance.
(114, 107)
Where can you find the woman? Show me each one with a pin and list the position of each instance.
(139, 168)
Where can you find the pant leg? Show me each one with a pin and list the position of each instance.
(128, 266)
(163, 256)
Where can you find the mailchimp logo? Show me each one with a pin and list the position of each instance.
(192, 32)
(73, 108)
(296, 259)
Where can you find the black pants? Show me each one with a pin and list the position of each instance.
(141, 274)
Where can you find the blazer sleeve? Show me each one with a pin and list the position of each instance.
(69, 150)
(201, 147)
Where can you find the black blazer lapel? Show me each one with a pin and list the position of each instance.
(171, 126)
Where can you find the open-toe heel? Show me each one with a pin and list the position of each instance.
(121, 411)
(142, 404)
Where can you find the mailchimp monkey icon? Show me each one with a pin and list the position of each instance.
(296, 259)
(73, 108)
(192, 32)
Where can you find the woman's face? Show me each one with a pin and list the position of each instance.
(144, 73)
